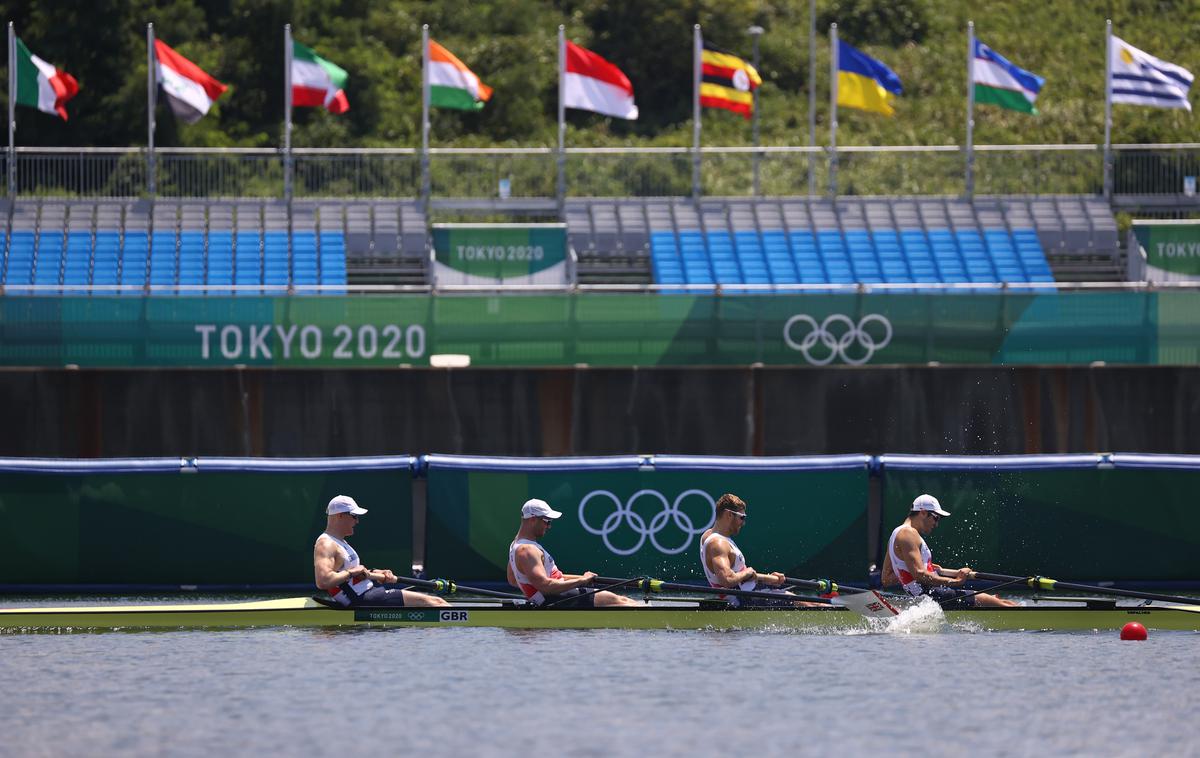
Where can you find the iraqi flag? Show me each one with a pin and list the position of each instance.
(40, 85)
(317, 83)
(189, 89)
(593, 84)
(452, 84)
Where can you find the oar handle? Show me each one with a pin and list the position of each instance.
(450, 588)
(821, 585)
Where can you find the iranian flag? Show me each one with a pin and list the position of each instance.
(317, 83)
(40, 85)
(593, 84)
(189, 89)
(453, 85)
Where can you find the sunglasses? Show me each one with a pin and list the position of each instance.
(739, 514)
(936, 517)
(547, 521)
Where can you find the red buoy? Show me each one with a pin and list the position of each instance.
(1133, 631)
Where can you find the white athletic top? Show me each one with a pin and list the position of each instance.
(739, 563)
(911, 585)
(349, 561)
(548, 564)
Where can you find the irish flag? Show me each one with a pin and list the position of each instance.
(999, 82)
(317, 83)
(189, 89)
(593, 84)
(453, 85)
(40, 85)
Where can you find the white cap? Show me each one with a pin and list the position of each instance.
(538, 509)
(344, 504)
(929, 503)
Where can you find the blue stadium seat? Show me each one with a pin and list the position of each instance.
(163, 264)
(832, 249)
(779, 257)
(861, 252)
(191, 261)
(106, 261)
(48, 264)
(19, 269)
(665, 263)
(946, 256)
(809, 266)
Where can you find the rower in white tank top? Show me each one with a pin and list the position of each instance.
(358, 585)
(551, 568)
(738, 564)
(907, 580)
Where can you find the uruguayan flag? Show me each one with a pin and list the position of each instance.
(1139, 78)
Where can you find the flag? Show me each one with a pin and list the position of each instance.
(999, 82)
(189, 89)
(1139, 78)
(317, 83)
(865, 83)
(40, 85)
(453, 85)
(591, 83)
(727, 81)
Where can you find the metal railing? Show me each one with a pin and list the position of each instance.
(494, 173)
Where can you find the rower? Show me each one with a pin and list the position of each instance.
(725, 566)
(532, 569)
(909, 562)
(339, 572)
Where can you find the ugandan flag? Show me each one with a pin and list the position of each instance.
(727, 81)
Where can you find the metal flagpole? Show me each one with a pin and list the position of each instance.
(287, 115)
(561, 184)
(697, 52)
(152, 104)
(833, 108)
(1108, 167)
(426, 179)
(12, 113)
(755, 32)
(970, 178)
(812, 95)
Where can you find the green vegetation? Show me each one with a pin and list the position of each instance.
(511, 45)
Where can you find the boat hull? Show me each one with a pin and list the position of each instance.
(304, 612)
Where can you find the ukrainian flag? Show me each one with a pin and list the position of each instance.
(864, 82)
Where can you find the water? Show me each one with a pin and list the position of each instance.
(928, 690)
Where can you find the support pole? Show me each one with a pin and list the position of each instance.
(12, 113)
(1108, 85)
(151, 106)
(426, 177)
(697, 52)
(755, 32)
(812, 95)
(970, 177)
(287, 116)
(833, 109)
(560, 187)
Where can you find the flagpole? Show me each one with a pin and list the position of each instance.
(970, 183)
(12, 113)
(1108, 109)
(287, 115)
(152, 101)
(833, 119)
(560, 187)
(426, 179)
(755, 32)
(812, 95)
(697, 51)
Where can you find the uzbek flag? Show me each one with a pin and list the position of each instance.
(40, 85)
(999, 82)
(317, 83)
(452, 84)
(864, 82)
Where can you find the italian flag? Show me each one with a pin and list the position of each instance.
(40, 85)
(189, 89)
(317, 83)
(453, 85)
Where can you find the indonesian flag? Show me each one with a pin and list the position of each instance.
(452, 84)
(593, 84)
(189, 89)
(40, 85)
(317, 83)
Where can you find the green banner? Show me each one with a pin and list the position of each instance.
(604, 329)
(1092, 524)
(500, 251)
(225, 528)
(634, 522)
(1170, 246)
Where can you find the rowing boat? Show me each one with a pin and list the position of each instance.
(1077, 615)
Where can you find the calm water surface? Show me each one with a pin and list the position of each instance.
(490, 692)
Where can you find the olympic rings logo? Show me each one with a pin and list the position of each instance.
(623, 514)
(835, 344)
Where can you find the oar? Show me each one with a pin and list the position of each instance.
(447, 587)
(821, 585)
(1050, 585)
(618, 583)
(657, 585)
